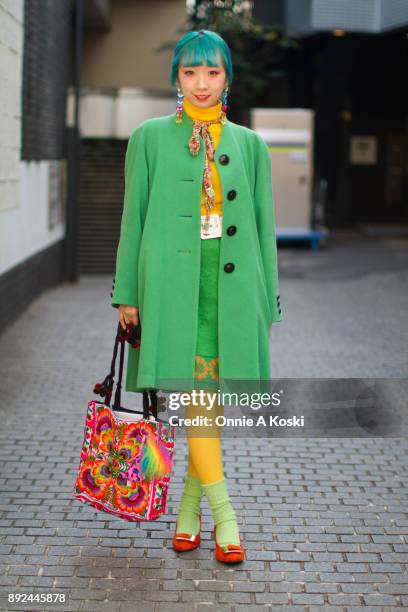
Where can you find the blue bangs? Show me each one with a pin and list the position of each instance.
(198, 48)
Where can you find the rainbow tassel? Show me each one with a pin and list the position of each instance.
(155, 461)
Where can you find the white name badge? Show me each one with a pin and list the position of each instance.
(211, 228)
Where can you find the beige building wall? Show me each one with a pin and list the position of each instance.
(125, 56)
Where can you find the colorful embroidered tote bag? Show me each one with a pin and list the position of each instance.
(126, 460)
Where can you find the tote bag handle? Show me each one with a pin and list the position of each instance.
(149, 403)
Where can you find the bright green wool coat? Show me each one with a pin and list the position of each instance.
(158, 257)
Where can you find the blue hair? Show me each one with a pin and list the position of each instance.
(201, 47)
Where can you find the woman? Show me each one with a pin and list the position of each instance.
(197, 262)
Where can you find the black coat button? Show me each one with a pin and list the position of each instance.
(224, 159)
(231, 195)
(231, 230)
(229, 267)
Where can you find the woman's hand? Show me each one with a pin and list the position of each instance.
(128, 315)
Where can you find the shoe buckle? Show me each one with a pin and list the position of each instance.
(231, 548)
(187, 538)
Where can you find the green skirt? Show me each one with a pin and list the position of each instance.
(206, 371)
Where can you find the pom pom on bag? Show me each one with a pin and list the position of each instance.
(125, 465)
(156, 461)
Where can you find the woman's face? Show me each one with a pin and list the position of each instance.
(208, 81)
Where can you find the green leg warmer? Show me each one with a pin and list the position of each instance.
(223, 513)
(189, 509)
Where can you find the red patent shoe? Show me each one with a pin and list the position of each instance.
(185, 541)
(230, 553)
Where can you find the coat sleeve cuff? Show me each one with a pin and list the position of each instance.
(122, 297)
(117, 300)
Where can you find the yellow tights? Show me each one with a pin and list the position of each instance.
(205, 474)
(205, 468)
(204, 443)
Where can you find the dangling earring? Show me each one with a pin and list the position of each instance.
(179, 106)
(224, 105)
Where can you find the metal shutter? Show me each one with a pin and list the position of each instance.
(101, 203)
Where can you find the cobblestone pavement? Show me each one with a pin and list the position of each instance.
(324, 521)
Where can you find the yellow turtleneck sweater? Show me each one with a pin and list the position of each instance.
(208, 114)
